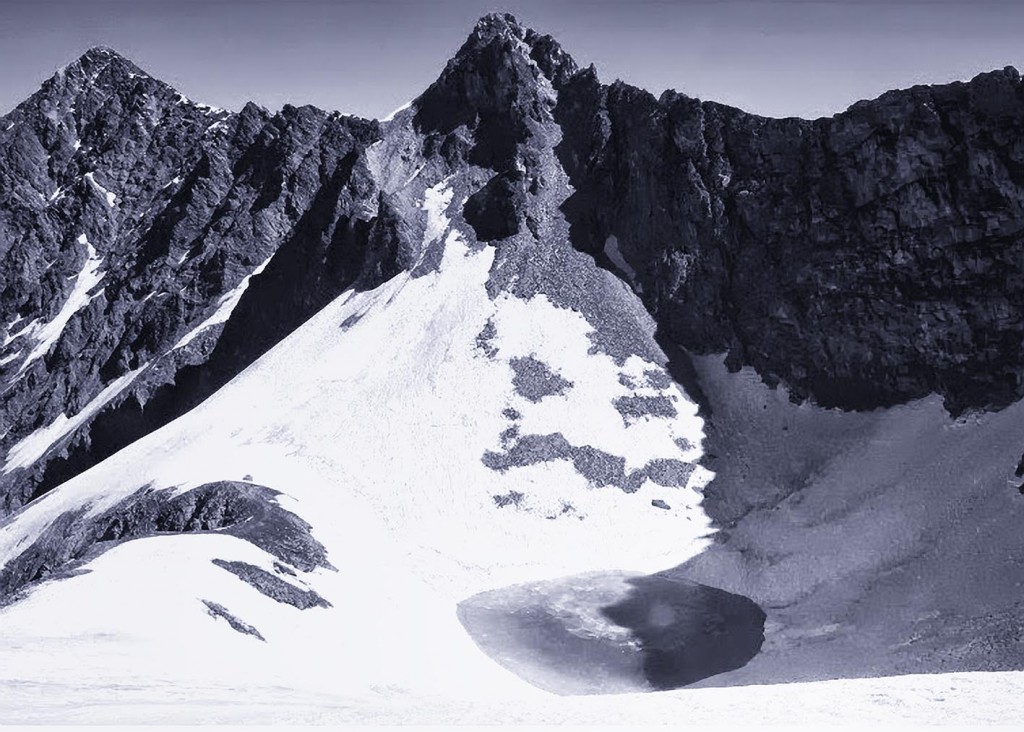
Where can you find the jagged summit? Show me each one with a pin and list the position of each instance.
(499, 84)
(100, 53)
(101, 65)
(512, 37)
(94, 79)
(98, 91)
(496, 24)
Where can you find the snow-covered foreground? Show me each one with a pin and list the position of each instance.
(959, 699)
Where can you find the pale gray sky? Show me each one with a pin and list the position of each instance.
(775, 57)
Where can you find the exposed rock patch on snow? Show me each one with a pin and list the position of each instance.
(534, 380)
(239, 509)
(269, 584)
(219, 611)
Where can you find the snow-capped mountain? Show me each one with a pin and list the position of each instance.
(538, 389)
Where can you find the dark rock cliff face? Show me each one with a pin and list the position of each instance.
(244, 510)
(864, 259)
(151, 248)
(162, 210)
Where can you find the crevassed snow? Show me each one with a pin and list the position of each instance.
(225, 306)
(110, 197)
(46, 334)
(34, 446)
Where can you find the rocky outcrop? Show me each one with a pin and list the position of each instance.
(863, 260)
(272, 586)
(244, 510)
(217, 610)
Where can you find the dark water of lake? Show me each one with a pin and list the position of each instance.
(612, 632)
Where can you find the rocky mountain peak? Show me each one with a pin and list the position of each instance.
(101, 68)
(479, 331)
(100, 56)
(495, 25)
(504, 32)
(499, 85)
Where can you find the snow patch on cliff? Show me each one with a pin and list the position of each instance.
(225, 306)
(46, 334)
(110, 198)
(35, 445)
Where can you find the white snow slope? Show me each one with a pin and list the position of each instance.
(374, 432)
(372, 419)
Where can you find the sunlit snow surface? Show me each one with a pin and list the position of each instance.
(374, 432)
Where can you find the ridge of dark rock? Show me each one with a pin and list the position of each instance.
(862, 260)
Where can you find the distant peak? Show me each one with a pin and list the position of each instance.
(100, 52)
(99, 67)
(99, 56)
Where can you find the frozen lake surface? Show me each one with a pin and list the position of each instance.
(614, 632)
